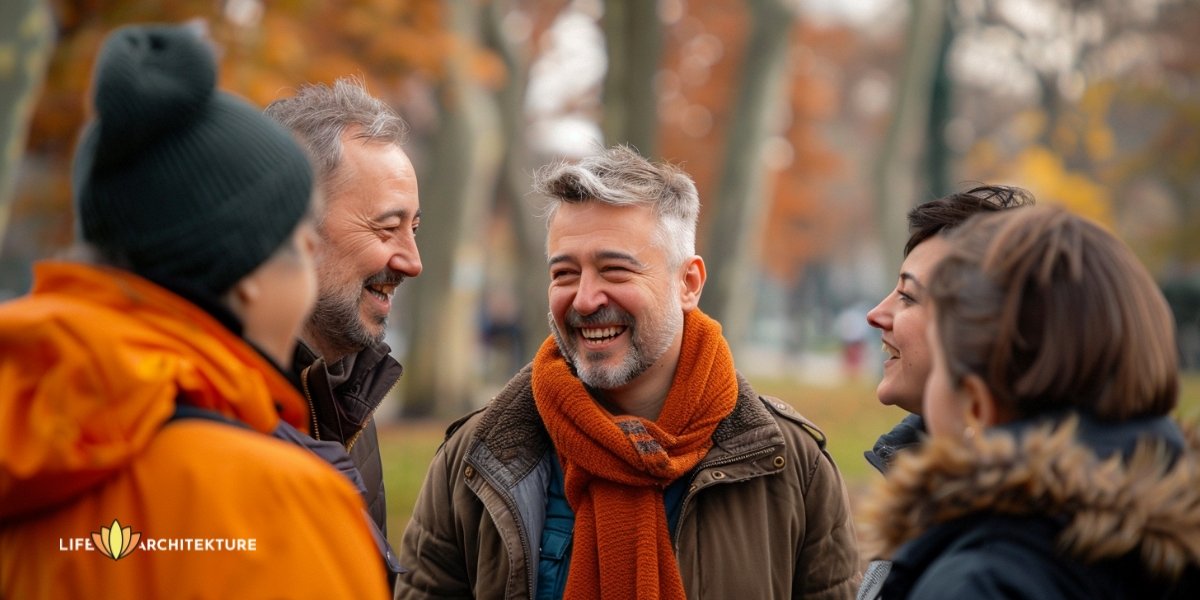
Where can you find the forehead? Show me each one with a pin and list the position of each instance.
(919, 263)
(582, 228)
(374, 176)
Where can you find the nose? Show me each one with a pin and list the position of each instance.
(406, 258)
(590, 296)
(880, 317)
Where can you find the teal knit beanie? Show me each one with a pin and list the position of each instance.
(174, 179)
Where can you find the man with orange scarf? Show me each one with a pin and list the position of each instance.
(629, 459)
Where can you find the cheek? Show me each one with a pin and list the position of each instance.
(917, 366)
(910, 335)
(559, 301)
(351, 257)
(309, 288)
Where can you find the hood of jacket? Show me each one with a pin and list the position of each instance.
(93, 362)
(1118, 490)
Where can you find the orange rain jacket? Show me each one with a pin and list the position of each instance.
(91, 365)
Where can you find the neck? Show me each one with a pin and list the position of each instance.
(645, 395)
(328, 351)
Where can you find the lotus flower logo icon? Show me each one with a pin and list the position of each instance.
(116, 542)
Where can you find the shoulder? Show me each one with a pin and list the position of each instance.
(465, 426)
(990, 557)
(791, 419)
(227, 455)
(509, 425)
(796, 428)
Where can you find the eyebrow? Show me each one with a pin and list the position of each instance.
(906, 276)
(602, 255)
(400, 213)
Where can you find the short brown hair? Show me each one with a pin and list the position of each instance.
(1054, 312)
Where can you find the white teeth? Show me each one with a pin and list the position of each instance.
(889, 350)
(596, 334)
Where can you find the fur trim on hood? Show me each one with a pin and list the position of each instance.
(1147, 502)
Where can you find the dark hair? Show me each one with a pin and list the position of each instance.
(1054, 312)
(948, 212)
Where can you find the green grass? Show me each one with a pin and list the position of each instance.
(848, 413)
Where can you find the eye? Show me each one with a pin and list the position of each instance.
(562, 274)
(905, 298)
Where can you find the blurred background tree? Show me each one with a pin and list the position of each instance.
(810, 126)
(26, 40)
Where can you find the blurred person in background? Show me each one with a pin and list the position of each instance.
(1053, 468)
(629, 459)
(138, 385)
(366, 247)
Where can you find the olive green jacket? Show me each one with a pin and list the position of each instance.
(765, 516)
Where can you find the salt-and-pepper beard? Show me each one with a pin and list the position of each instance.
(337, 315)
(649, 341)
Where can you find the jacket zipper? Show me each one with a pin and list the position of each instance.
(362, 426)
(312, 410)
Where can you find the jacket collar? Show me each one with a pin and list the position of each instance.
(1113, 489)
(907, 434)
(511, 438)
(345, 394)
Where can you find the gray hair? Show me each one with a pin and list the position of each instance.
(619, 176)
(319, 114)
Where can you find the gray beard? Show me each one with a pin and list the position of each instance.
(337, 321)
(635, 361)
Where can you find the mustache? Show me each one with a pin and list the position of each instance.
(385, 277)
(607, 315)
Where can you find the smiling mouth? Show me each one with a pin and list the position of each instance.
(600, 334)
(383, 291)
(890, 350)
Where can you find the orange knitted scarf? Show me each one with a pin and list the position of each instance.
(615, 468)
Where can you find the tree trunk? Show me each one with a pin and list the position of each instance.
(633, 34)
(937, 152)
(515, 185)
(742, 199)
(27, 37)
(440, 373)
(897, 168)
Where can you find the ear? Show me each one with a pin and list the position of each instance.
(981, 403)
(242, 295)
(694, 276)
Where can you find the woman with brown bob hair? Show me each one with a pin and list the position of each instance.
(1054, 469)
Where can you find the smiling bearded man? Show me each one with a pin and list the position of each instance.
(367, 247)
(629, 459)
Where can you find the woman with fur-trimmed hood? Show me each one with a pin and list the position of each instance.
(1053, 468)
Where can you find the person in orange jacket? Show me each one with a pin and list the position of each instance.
(139, 386)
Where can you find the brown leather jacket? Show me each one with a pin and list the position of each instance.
(766, 515)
